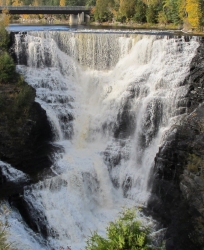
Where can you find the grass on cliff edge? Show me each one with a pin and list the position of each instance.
(4, 245)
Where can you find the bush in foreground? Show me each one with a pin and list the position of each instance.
(126, 233)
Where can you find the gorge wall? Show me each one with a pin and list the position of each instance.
(178, 188)
(25, 134)
(122, 107)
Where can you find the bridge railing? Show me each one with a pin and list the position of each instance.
(24, 7)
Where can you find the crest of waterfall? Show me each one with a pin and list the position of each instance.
(110, 98)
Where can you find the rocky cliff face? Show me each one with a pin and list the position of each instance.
(25, 134)
(178, 187)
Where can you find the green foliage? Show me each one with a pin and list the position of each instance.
(102, 11)
(189, 13)
(162, 18)
(90, 2)
(171, 10)
(2, 100)
(57, 2)
(140, 11)
(195, 164)
(4, 38)
(7, 67)
(24, 97)
(127, 8)
(127, 232)
(4, 245)
(151, 14)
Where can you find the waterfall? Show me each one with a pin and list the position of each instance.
(111, 99)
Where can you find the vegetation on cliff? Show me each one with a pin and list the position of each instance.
(24, 128)
(178, 188)
(15, 95)
(7, 72)
(4, 225)
(127, 232)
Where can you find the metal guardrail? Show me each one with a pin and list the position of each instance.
(46, 9)
(24, 7)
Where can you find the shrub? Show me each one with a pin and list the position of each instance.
(4, 245)
(195, 164)
(7, 67)
(126, 233)
(2, 99)
(192, 168)
(25, 96)
(4, 38)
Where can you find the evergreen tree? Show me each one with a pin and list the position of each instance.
(140, 11)
(127, 8)
(151, 14)
(103, 10)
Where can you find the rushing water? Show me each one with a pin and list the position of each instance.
(111, 99)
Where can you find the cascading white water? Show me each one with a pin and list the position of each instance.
(110, 99)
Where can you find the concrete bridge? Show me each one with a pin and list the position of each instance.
(78, 14)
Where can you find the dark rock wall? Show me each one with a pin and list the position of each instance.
(178, 178)
(25, 135)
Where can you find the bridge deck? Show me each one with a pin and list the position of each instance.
(46, 9)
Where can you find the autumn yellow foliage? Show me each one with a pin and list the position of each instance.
(17, 3)
(93, 10)
(194, 13)
(182, 9)
(35, 3)
(5, 17)
(25, 16)
(127, 8)
(62, 2)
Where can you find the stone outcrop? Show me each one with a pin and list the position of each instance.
(25, 135)
(178, 185)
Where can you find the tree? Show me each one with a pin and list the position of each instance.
(127, 8)
(5, 18)
(151, 14)
(170, 12)
(162, 18)
(193, 8)
(7, 67)
(103, 9)
(17, 3)
(140, 11)
(35, 3)
(90, 2)
(4, 36)
(62, 3)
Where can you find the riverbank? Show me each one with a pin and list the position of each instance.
(117, 25)
(158, 26)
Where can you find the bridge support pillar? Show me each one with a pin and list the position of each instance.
(73, 19)
(87, 18)
(81, 19)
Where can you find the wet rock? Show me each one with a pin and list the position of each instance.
(178, 186)
(25, 136)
